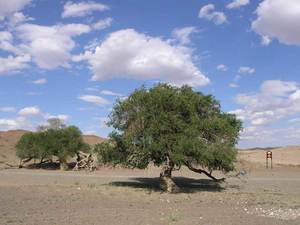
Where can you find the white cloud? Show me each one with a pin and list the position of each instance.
(278, 19)
(233, 85)
(108, 92)
(295, 120)
(246, 70)
(92, 89)
(222, 67)
(102, 24)
(278, 87)
(40, 81)
(97, 100)
(7, 109)
(6, 39)
(50, 46)
(62, 117)
(183, 35)
(208, 12)
(276, 100)
(81, 9)
(9, 7)
(30, 111)
(10, 124)
(28, 118)
(5, 36)
(132, 55)
(13, 64)
(237, 4)
(265, 40)
(269, 137)
(18, 18)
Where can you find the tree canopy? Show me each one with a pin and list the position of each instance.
(171, 127)
(56, 140)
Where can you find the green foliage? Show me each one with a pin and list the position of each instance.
(62, 143)
(26, 147)
(106, 154)
(65, 142)
(186, 126)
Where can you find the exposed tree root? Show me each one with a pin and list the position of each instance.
(85, 161)
(196, 170)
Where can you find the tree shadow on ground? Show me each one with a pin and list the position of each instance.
(186, 185)
(48, 166)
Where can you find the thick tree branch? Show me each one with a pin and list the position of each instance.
(190, 167)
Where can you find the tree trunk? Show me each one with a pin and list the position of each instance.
(166, 182)
(63, 165)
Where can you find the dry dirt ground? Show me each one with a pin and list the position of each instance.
(132, 197)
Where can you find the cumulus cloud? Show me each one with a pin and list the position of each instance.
(40, 81)
(13, 64)
(6, 39)
(8, 8)
(102, 24)
(18, 18)
(235, 4)
(222, 67)
(278, 19)
(276, 100)
(97, 100)
(208, 12)
(183, 35)
(50, 46)
(80, 9)
(132, 55)
(30, 111)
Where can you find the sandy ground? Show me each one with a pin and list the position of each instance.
(132, 197)
(281, 156)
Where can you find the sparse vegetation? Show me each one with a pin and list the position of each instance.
(171, 127)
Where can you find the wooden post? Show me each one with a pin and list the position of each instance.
(269, 156)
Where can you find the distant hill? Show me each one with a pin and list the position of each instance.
(8, 140)
(93, 139)
(260, 148)
(254, 157)
(285, 156)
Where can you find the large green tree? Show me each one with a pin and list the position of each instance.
(171, 127)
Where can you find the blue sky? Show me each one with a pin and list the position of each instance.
(73, 59)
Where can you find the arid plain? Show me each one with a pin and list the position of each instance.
(123, 196)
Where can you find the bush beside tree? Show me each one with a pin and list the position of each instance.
(59, 141)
